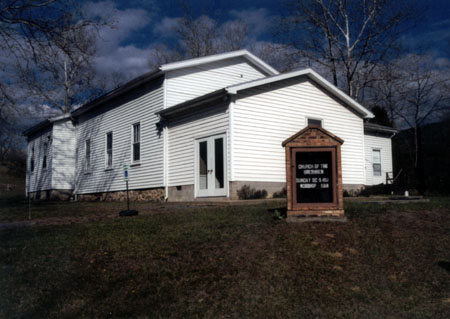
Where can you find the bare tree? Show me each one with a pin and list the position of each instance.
(162, 54)
(423, 96)
(201, 36)
(233, 35)
(347, 37)
(197, 36)
(62, 75)
(383, 93)
(204, 36)
(49, 43)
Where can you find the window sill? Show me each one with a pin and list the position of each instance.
(135, 164)
(109, 169)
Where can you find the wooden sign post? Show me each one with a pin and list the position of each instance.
(313, 173)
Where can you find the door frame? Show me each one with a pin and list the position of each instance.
(197, 141)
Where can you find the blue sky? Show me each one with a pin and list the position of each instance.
(141, 25)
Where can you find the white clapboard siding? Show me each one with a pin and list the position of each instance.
(263, 117)
(138, 106)
(384, 144)
(63, 151)
(188, 83)
(40, 179)
(182, 135)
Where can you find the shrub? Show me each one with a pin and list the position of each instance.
(380, 189)
(280, 194)
(260, 194)
(247, 192)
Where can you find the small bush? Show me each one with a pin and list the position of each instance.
(380, 189)
(247, 192)
(280, 194)
(260, 194)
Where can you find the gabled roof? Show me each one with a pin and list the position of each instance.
(311, 74)
(218, 57)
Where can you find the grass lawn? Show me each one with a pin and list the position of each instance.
(233, 262)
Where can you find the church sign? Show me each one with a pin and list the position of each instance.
(313, 173)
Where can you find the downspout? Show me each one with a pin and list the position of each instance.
(75, 190)
(165, 144)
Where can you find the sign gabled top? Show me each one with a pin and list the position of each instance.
(310, 128)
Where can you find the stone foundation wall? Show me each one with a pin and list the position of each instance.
(52, 194)
(141, 195)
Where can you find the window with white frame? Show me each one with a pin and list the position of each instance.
(314, 122)
(109, 149)
(87, 153)
(376, 162)
(32, 160)
(44, 160)
(136, 156)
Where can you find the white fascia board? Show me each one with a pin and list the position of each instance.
(218, 57)
(313, 76)
(60, 117)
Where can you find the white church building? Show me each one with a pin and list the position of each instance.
(200, 128)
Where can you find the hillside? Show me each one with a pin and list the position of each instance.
(436, 149)
(11, 185)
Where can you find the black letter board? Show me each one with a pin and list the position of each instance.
(314, 177)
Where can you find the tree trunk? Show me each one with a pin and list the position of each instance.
(419, 165)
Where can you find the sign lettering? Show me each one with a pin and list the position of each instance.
(314, 177)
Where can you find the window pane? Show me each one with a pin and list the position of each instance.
(88, 153)
(44, 161)
(109, 146)
(136, 142)
(109, 141)
(136, 152)
(109, 158)
(136, 133)
(218, 156)
(32, 160)
(203, 169)
(376, 156)
(312, 122)
(376, 169)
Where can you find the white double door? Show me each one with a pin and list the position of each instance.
(211, 174)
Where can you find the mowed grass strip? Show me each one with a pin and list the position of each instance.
(232, 262)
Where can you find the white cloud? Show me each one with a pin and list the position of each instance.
(166, 28)
(127, 61)
(258, 20)
(124, 23)
(113, 58)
